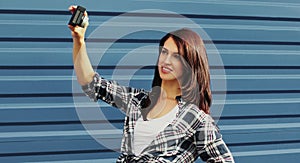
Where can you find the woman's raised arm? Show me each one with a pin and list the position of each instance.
(82, 65)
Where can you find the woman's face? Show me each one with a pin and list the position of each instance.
(169, 62)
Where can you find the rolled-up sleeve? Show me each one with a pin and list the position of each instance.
(90, 88)
(210, 145)
(109, 91)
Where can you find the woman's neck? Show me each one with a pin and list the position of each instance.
(170, 89)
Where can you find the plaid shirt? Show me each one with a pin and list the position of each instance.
(191, 135)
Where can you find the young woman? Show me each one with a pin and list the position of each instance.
(170, 123)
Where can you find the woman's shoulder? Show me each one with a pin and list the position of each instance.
(194, 113)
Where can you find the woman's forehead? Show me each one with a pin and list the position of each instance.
(170, 45)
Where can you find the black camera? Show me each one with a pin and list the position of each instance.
(78, 17)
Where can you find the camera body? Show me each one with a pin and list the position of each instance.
(78, 17)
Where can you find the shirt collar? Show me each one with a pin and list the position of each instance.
(142, 98)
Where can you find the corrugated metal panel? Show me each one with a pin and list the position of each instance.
(258, 43)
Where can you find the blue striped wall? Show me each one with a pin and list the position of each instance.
(258, 42)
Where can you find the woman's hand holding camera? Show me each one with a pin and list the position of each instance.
(78, 32)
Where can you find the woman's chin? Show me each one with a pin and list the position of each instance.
(167, 77)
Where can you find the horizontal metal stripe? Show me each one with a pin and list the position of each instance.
(39, 67)
(116, 131)
(150, 51)
(34, 67)
(102, 104)
(34, 12)
(263, 143)
(133, 23)
(255, 77)
(56, 152)
(24, 39)
(235, 154)
(109, 150)
(72, 78)
(259, 101)
(57, 67)
(121, 121)
(48, 105)
(104, 160)
(82, 94)
(44, 50)
(257, 92)
(230, 2)
(147, 77)
(259, 117)
(39, 95)
(59, 122)
(246, 42)
(257, 67)
(226, 42)
(266, 152)
(260, 126)
(61, 133)
(198, 16)
(256, 52)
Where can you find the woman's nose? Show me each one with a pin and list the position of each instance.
(167, 59)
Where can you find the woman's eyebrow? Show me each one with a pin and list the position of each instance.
(164, 48)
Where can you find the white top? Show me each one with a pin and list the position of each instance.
(146, 131)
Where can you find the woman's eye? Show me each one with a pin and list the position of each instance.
(164, 51)
(177, 56)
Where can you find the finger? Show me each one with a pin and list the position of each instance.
(71, 27)
(85, 13)
(86, 19)
(77, 30)
(85, 22)
(72, 8)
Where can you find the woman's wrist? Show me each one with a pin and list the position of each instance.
(79, 41)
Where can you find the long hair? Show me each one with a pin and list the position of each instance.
(195, 82)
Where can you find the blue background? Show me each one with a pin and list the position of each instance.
(258, 42)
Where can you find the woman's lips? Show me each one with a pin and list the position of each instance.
(166, 70)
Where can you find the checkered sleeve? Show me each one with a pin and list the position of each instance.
(109, 91)
(210, 144)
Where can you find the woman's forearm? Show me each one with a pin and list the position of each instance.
(82, 65)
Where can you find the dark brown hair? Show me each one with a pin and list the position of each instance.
(195, 83)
